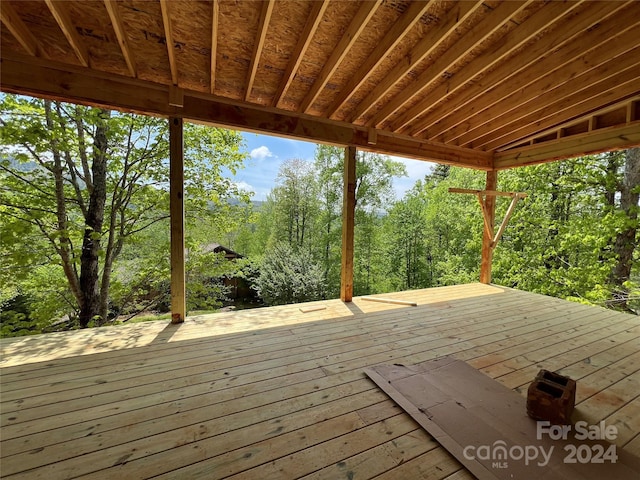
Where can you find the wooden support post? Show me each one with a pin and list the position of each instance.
(176, 208)
(487, 201)
(489, 211)
(348, 223)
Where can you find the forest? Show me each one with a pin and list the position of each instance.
(84, 231)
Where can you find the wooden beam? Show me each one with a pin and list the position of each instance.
(529, 29)
(491, 22)
(18, 29)
(348, 224)
(494, 193)
(358, 23)
(392, 38)
(263, 24)
(64, 22)
(452, 111)
(433, 37)
(121, 35)
(409, 147)
(489, 215)
(313, 21)
(215, 18)
(34, 76)
(168, 36)
(613, 138)
(176, 207)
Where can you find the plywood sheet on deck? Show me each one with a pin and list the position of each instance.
(464, 409)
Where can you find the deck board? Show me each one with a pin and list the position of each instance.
(280, 393)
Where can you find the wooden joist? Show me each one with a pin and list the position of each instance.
(18, 29)
(315, 16)
(215, 18)
(395, 34)
(59, 12)
(263, 25)
(121, 34)
(502, 14)
(168, 38)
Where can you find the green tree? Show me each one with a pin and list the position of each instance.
(407, 247)
(295, 202)
(329, 163)
(625, 244)
(374, 196)
(82, 181)
(564, 240)
(288, 275)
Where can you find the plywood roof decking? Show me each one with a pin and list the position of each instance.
(277, 393)
(455, 82)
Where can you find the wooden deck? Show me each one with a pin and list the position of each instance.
(280, 393)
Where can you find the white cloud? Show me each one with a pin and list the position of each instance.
(416, 170)
(244, 186)
(261, 153)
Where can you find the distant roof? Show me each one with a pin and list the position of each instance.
(217, 248)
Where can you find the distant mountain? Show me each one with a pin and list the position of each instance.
(257, 204)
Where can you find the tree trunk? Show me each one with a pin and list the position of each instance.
(64, 243)
(625, 241)
(89, 261)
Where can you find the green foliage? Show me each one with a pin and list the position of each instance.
(289, 276)
(46, 181)
(560, 241)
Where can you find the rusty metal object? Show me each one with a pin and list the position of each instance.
(551, 397)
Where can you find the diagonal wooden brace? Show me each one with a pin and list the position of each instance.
(482, 195)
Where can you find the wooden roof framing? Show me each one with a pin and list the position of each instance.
(485, 84)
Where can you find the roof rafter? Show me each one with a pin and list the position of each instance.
(168, 35)
(19, 30)
(263, 24)
(439, 120)
(118, 28)
(69, 31)
(215, 18)
(616, 115)
(434, 37)
(513, 40)
(605, 61)
(499, 16)
(550, 72)
(313, 21)
(392, 38)
(623, 85)
(359, 22)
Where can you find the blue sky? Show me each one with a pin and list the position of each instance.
(267, 154)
